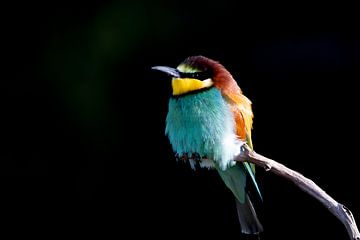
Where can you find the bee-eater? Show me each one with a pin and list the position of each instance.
(208, 121)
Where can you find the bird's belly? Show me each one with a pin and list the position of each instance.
(203, 125)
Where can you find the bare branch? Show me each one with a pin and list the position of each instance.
(305, 184)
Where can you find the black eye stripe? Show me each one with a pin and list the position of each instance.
(196, 75)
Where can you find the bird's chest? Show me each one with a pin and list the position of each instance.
(200, 123)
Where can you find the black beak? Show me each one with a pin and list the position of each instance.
(170, 71)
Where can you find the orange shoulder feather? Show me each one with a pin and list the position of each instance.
(241, 107)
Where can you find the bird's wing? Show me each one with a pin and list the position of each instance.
(241, 107)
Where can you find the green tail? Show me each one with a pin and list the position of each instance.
(235, 179)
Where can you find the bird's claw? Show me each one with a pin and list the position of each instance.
(194, 156)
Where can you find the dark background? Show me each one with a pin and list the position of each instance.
(83, 149)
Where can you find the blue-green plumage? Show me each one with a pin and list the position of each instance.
(203, 123)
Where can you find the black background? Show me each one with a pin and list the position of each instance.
(83, 149)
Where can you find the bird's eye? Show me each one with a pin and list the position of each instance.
(197, 75)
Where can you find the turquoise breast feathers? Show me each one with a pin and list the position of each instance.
(202, 123)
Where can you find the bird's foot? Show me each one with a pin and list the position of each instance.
(182, 157)
(196, 157)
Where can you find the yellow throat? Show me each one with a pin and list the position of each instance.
(185, 85)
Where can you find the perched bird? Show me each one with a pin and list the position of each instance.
(208, 121)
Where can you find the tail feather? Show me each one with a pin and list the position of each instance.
(248, 219)
(235, 179)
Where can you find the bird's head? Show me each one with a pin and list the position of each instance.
(197, 73)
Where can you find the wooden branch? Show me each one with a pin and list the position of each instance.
(305, 184)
